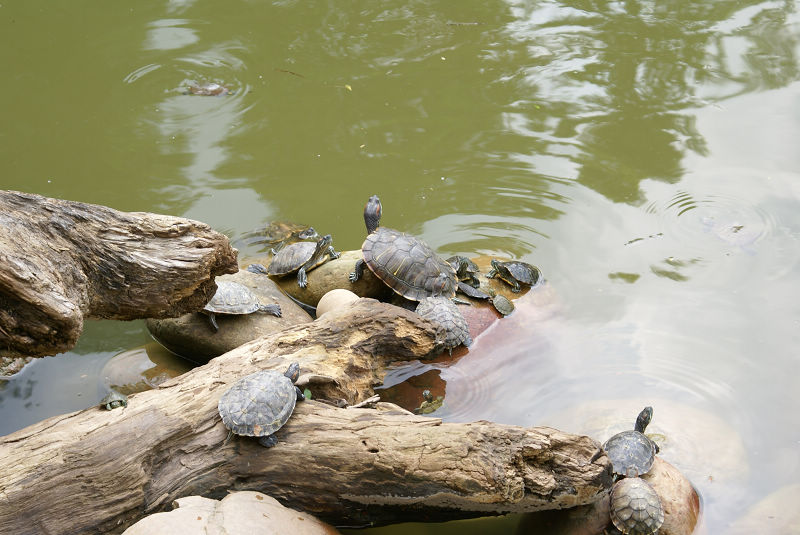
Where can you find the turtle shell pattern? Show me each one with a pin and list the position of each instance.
(520, 271)
(258, 404)
(408, 265)
(631, 453)
(232, 298)
(635, 507)
(444, 313)
(292, 257)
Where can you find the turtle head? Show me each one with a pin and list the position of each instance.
(372, 214)
(495, 263)
(293, 371)
(323, 243)
(643, 420)
(307, 234)
(427, 396)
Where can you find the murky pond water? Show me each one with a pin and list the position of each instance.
(642, 154)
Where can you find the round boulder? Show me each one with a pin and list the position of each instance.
(335, 299)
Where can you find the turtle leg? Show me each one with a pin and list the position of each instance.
(258, 269)
(213, 321)
(300, 395)
(274, 309)
(358, 270)
(332, 253)
(302, 279)
(268, 441)
(515, 287)
(491, 274)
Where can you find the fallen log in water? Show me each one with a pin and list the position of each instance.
(100, 471)
(63, 261)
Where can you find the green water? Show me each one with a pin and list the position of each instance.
(642, 154)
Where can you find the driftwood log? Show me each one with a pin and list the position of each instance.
(99, 471)
(63, 261)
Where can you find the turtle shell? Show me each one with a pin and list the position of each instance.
(408, 265)
(635, 507)
(520, 271)
(445, 314)
(631, 453)
(503, 305)
(232, 298)
(292, 257)
(258, 404)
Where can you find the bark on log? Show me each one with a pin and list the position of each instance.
(63, 261)
(99, 471)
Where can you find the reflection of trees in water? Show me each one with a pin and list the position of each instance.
(629, 74)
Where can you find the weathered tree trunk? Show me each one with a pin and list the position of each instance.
(63, 261)
(100, 471)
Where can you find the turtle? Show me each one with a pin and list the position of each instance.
(466, 270)
(445, 314)
(114, 399)
(404, 263)
(210, 89)
(429, 404)
(632, 454)
(515, 273)
(503, 304)
(635, 507)
(302, 257)
(259, 404)
(234, 298)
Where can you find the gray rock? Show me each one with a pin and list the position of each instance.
(238, 513)
(192, 336)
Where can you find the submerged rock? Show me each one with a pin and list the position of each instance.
(142, 368)
(238, 513)
(192, 336)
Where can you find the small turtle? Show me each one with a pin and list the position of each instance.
(445, 314)
(635, 507)
(210, 89)
(632, 454)
(404, 263)
(234, 298)
(259, 404)
(515, 273)
(113, 400)
(466, 270)
(429, 404)
(302, 257)
(503, 304)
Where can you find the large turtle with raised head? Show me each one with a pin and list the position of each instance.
(515, 273)
(404, 263)
(233, 298)
(632, 454)
(259, 404)
(302, 257)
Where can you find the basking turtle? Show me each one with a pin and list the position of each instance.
(445, 314)
(113, 400)
(429, 404)
(466, 270)
(233, 298)
(635, 507)
(515, 273)
(302, 257)
(404, 263)
(503, 304)
(259, 404)
(632, 454)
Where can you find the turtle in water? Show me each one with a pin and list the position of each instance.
(503, 304)
(429, 404)
(259, 404)
(404, 263)
(210, 89)
(515, 273)
(445, 314)
(302, 257)
(114, 399)
(635, 506)
(233, 298)
(631, 453)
